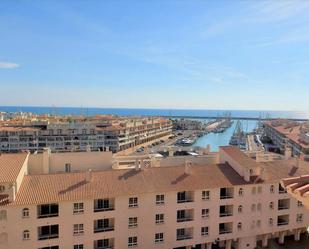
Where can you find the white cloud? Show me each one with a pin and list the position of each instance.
(8, 65)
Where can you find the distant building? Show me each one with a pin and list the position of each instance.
(80, 134)
(77, 200)
(289, 134)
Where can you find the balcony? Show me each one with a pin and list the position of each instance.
(184, 233)
(185, 196)
(103, 225)
(282, 190)
(185, 215)
(48, 232)
(104, 244)
(283, 204)
(283, 220)
(225, 228)
(103, 205)
(226, 211)
(226, 193)
(47, 210)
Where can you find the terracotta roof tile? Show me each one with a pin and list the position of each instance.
(10, 165)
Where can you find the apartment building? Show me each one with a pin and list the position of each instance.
(289, 134)
(68, 134)
(237, 203)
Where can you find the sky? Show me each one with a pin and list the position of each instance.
(196, 54)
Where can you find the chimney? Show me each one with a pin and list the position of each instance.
(46, 160)
(188, 168)
(136, 164)
(88, 175)
(287, 153)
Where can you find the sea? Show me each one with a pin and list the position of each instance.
(213, 139)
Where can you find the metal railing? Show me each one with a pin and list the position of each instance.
(184, 219)
(41, 216)
(226, 214)
(184, 237)
(48, 236)
(184, 200)
(103, 229)
(225, 231)
(104, 209)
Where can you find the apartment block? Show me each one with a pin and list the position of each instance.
(80, 134)
(291, 135)
(237, 203)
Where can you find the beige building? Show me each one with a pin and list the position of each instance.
(289, 134)
(77, 200)
(78, 134)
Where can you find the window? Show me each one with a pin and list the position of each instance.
(299, 218)
(299, 204)
(259, 189)
(205, 213)
(258, 223)
(240, 209)
(78, 229)
(25, 213)
(159, 199)
(48, 232)
(3, 215)
(133, 202)
(78, 208)
(205, 195)
(48, 210)
(204, 231)
(272, 189)
(80, 246)
(132, 222)
(241, 192)
(253, 207)
(239, 226)
(259, 206)
(102, 205)
(253, 190)
(50, 247)
(26, 235)
(159, 218)
(132, 241)
(2, 188)
(271, 221)
(67, 167)
(159, 237)
(271, 205)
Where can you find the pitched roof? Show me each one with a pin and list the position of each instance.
(10, 166)
(112, 183)
(237, 155)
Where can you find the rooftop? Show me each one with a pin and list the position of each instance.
(10, 166)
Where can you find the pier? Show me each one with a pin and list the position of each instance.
(235, 118)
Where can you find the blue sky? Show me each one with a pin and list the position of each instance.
(155, 54)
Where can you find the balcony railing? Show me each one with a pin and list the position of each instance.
(226, 214)
(184, 237)
(103, 229)
(103, 209)
(104, 247)
(184, 219)
(282, 223)
(283, 207)
(185, 200)
(48, 236)
(41, 216)
(225, 231)
(226, 196)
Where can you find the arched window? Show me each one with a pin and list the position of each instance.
(259, 206)
(271, 205)
(2, 188)
(271, 221)
(272, 189)
(241, 192)
(239, 226)
(3, 215)
(25, 213)
(240, 209)
(251, 172)
(26, 235)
